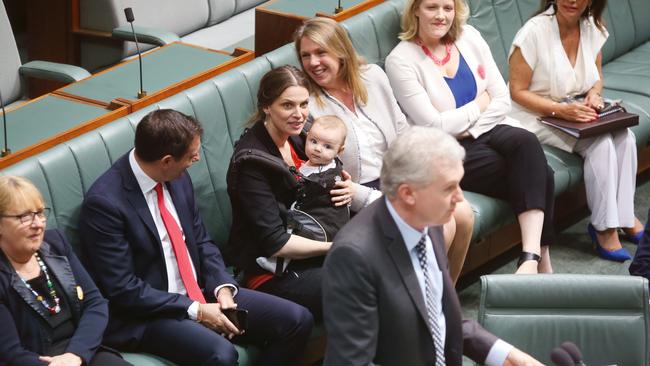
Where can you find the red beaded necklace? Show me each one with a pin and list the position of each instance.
(437, 61)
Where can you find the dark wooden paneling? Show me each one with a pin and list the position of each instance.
(48, 37)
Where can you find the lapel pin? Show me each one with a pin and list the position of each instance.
(481, 71)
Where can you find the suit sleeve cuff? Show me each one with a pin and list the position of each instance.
(498, 353)
(229, 285)
(193, 310)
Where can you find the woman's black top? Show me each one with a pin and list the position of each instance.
(260, 197)
(61, 327)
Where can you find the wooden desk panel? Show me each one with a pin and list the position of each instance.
(73, 110)
(166, 71)
(277, 20)
(49, 120)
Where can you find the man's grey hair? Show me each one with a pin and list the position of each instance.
(410, 158)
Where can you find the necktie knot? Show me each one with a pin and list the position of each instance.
(159, 189)
(421, 250)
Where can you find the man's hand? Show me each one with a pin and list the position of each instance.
(517, 357)
(66, 359)
(225, 299)
(212, 317)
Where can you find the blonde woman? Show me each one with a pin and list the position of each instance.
(360, 94)
(444, 76)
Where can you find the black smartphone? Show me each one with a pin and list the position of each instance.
(238, 317)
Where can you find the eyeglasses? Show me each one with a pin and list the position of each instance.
(29, 217)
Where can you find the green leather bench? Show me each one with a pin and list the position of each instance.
(605, 316)
(224, 103)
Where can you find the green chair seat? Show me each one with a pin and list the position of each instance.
(605, 316)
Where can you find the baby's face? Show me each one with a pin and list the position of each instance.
(322, 145)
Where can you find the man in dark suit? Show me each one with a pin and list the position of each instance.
(148, 250)
(386, 286)
(640, 265)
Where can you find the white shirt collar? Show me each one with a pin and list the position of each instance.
(410, 235)
(144, 181)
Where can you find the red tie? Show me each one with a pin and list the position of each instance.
(180, 249)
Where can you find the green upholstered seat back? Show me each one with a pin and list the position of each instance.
(498, 22)
(222, 105)
(621, 33)
(606, 316)
(627, 24)
(374, 32)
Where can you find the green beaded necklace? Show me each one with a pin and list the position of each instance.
(53, 309)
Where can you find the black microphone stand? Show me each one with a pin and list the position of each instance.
(6, 151)
(338, 8)
(142, 93)
(128, 12)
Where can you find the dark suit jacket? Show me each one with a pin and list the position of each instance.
(123, 252)
(374, 308)
(23, 337)
(640, 265)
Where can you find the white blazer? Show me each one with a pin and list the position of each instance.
(426, 99)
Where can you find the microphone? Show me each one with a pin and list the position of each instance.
(128, 12)
(6, 151)
(561, 357)
(338, 8)
(574, 352)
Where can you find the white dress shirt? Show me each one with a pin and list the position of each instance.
(174, 280)
(500, 350)
(308, 170)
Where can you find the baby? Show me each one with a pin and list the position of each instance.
(318, 176)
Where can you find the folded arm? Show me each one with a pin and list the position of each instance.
(499, 105)
(414, 100)
(260, 207)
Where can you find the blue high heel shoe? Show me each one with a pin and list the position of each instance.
(618, 255)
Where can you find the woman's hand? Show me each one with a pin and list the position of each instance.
(483, 101)
(344, 191)
(66, 359)
(576, 112)
(594, 100)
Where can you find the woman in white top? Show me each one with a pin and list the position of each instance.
(360, 94)
(556, 56)
(444, 76)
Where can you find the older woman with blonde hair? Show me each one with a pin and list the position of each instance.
(50, 310)
(342, 84)
(444, 76)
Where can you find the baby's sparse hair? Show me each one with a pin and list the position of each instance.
(332, 122)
